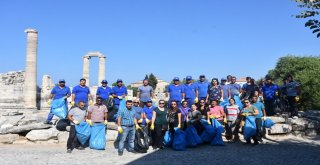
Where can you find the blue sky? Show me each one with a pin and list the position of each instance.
(166, 37)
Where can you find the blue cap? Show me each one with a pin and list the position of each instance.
(176, 79)
(188, 78)
(149, 101)
(223, 79)
(62, 81)
(119, 80)
(104, 81)
(202, 76)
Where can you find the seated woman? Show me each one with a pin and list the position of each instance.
(194, 117)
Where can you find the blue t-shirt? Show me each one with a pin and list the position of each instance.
(269, 91)
(292, 88)
(148, 111)
(119, 91)
(225, 89)
(202, 88)
(138, 111)
(244, 86)
(145, 93)
(60, 92)
(175, 92)
(104, 92)
(81, 93)
(260, 107)
(234, 89)
(190, 91)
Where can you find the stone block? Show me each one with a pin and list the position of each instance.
(63, 137)
(112, 126)
(298, 127)
(111, 135)
(8, 138)
(277, 119)
(280, 129)
(13, 120)
(311, 132)
(24, 128)
(42, 135)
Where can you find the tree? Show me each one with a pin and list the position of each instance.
(306, 71)
(146, 78)
(134, 90)
(153, 81)
(311, 9)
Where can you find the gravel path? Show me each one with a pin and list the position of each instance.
(280, 150)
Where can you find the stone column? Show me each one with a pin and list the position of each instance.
(86, 69)
(102, 69)
(30, 83)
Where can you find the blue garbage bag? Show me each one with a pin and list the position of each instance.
(217, 137)
(192, 137)
(249, 127)
(167, 139)
(268, 123)
(208, 131)
(83, 132)
(59, 108)
(179, 140)
(224, 103)
(122, 106)
(98, 137)
(238, 101)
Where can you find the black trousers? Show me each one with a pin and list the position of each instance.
(269, 104)
(159, 132)
(292, 105)
(259, 128)
(72, 140)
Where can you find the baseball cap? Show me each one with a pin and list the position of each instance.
(119, 80)
(149, 101)
(176, 79)
(62, 81)
(188, 78)
(223, 79)
(104, 81)
(202, 76)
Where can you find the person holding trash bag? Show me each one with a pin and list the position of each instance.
(174, 117)
(76, 116)
(127, 125)
(231, 113)
(194, 117)
(98, 113)
(81, 92)
(159, 124)
(58, 92)
(184, 109)
(203, 109)
(249, 112)
(261, 116)
(119, 92)
(216, 111)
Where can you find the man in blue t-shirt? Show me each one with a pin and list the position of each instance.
(261, 116)
(235, 89)
(175, 92)
(58, 92)
(145, 93)
(190, 90)
(104, 91)
(202, 88)
(226, 89)
(119, 92)
(269, 92)
(81, 93)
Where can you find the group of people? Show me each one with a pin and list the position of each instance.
(187, 104)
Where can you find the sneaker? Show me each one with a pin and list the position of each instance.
(80, 148)
(69, 151)
(120, 153)
(48, 122)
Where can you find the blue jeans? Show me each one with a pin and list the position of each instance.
(130, 133)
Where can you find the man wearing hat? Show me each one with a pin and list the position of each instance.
(119, 92)
(202, 88)
(175, 92)
(225, 88)
(58, 92)
(269, 92)
(104, 91)
(190, 91)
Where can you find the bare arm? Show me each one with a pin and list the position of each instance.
(73, 96)
(51, 96)
(106, 116)
(179, 118)
(119, 121)
(222, 93)
(264, 112)
(153, 117)
(89, 115)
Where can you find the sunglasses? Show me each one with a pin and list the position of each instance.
(247, 102)
(201, 102)
(135, 102)
(161, 103)
(173, 104)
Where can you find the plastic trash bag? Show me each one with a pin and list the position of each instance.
(167, 140)
(249, 127)
(268, 123)
(217, 138)
(179, 140)
(59, 108)
(83, 132)
(224, 103)
(238, 101)
(98, 137)
(217, 126)
(192, 137)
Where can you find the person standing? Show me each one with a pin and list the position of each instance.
(293, 91)
(203, 109)
(190, 90)
(174, 117)
(215, 111)
(250, 110)
(81, 93)
(231, 113)
(226, 89)
(76, 116)
(145, 93)
(147, 110)
(259, 117)
(175, 92)
(58, 92)
(159, 124)
(139, 111)
(235, 89)
(184, 109)
(215, 91)
(194, 117)
(104, 91)
(98, 113)
(119, 92)
(127, 125)
(269, 92)
(202, 88)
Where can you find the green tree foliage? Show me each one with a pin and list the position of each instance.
(311, 10)
(134, 90)
(153, 81)
(146, 77)
(306, 71)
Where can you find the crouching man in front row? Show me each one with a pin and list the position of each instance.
(76, 116)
